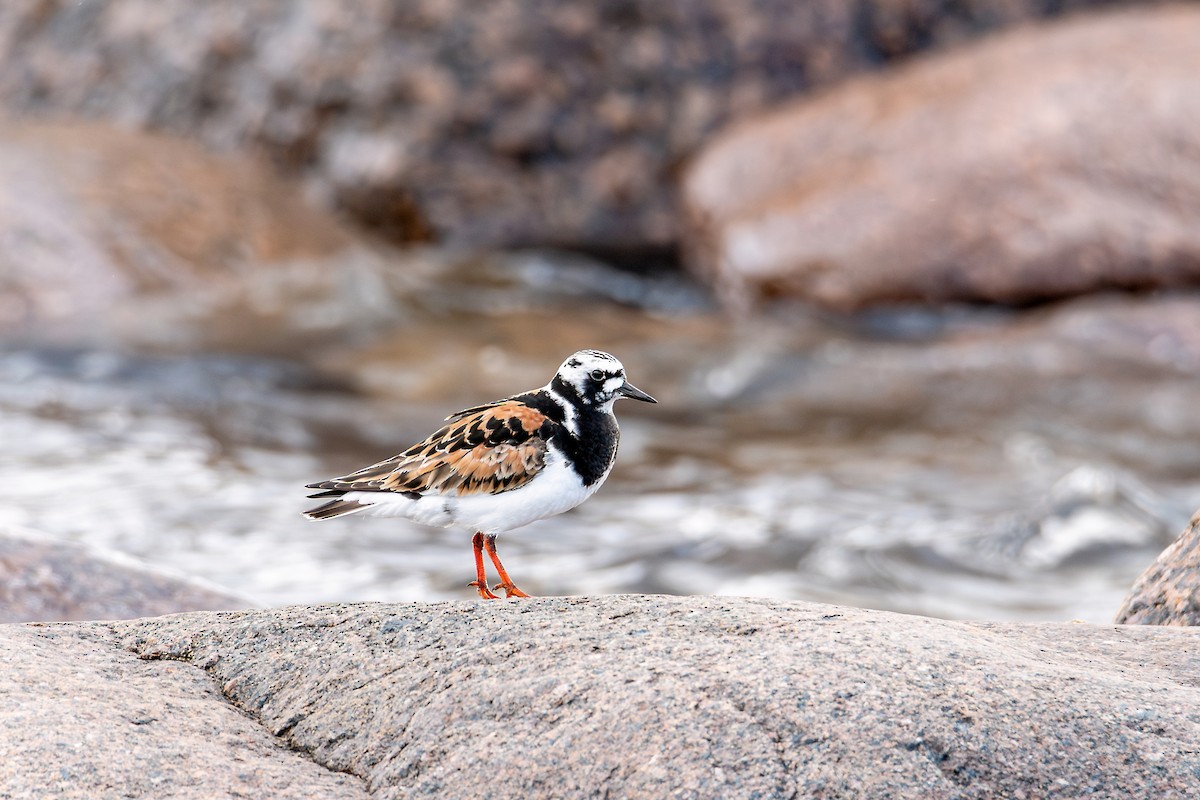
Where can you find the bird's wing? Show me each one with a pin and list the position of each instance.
(484, 450)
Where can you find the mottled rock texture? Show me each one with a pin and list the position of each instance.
(548, 121)
(1168, 592)
(1045, 162)
(623, 696)
(45, 580)
(84, 719)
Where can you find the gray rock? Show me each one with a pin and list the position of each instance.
(623, 696)
(1045, 162)
(548, 121)
(45, 580)
(85, 719)
(1168, 592)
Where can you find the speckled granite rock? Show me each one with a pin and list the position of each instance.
(42, 579)
(84, 719)
(622, 696)
(1168, 592)
(547, 121)
(1046, 162)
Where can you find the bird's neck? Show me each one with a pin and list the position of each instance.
(591, 432)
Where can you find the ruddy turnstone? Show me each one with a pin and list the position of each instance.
(499, 466)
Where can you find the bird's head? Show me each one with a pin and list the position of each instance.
(598, 379)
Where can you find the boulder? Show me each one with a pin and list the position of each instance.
(1168, 592)
(114, 237)
(42, 579)
(1045, 162)
(624, 696)
(546, 121)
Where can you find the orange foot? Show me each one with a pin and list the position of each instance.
(484, 591)
(506, 583)
(510, 590)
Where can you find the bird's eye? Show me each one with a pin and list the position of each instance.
(597, 374)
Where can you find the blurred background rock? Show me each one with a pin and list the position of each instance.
(247, 245)
(506, 123)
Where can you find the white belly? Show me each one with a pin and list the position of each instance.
(557, 488)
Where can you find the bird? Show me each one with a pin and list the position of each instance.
(501, 465)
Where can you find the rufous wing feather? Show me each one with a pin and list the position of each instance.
(486, 449)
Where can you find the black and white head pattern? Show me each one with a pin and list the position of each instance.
(596, 376)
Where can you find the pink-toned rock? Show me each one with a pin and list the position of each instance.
(1046, 162)
(110, 236)
(45, 580)
(623, 696)
(1168, 592)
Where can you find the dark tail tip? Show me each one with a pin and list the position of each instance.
(335, 508)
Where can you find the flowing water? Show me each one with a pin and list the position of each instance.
(966, 463)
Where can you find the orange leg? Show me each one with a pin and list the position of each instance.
(480, 581)
(510, 588)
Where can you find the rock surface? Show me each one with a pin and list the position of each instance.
(625, 696)
(552, 121)
(1168, 592)
(84, 719)
(45, 580)
(1046, 162)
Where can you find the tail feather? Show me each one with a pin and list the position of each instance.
(334, 508)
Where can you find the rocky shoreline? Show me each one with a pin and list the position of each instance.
(247, 246)
(621, 696)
